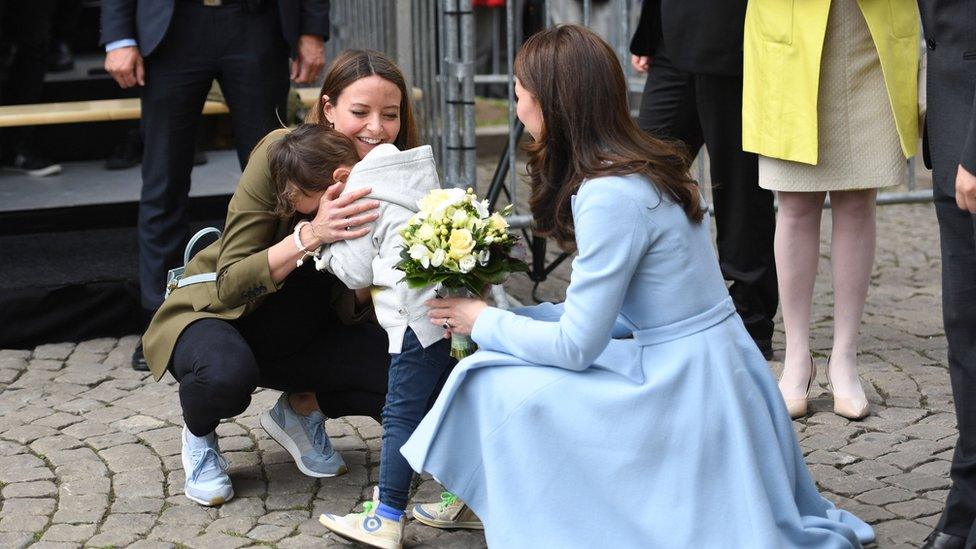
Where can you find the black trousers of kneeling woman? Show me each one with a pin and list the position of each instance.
(293, 342)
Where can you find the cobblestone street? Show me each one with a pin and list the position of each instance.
(90, 450)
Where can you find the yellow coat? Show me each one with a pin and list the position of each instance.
(781, 72)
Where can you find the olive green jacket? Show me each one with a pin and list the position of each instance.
(240, 259)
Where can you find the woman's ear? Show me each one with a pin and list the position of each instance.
(328, 109)
(340, 174)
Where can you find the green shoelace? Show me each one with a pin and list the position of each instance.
(447, 499)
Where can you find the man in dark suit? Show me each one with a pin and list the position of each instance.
(692, 51)
(173, 50)
(950, 150)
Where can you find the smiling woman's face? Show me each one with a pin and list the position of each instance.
(368, 111)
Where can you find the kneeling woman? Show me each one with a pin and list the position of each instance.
(267, 321)
(640, 413)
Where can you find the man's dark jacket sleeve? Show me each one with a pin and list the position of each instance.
(118, 20)
(648, 34)
(315, 18)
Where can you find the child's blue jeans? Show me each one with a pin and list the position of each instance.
(416, 378)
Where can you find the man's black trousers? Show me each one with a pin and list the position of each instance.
(245, 52)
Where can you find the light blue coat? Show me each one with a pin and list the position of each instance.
(638, 414)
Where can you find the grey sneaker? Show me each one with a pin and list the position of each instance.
(305, 439)
(207, 482)
(450, 512)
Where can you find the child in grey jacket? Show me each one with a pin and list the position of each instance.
(398, 180)
(420, 355)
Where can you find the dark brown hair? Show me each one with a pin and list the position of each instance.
(351, 65)
(588, 132)
(303, 161)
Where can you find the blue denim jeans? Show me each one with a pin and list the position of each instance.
(416, 378)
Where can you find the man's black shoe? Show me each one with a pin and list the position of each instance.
(942, 540)
(25, 161)
(139, 363)
(765, 347)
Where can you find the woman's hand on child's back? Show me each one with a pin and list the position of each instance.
(343, 217)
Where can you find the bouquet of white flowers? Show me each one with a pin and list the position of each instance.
(455, 242)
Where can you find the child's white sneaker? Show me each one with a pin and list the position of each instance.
(367, 527)
(450, 512)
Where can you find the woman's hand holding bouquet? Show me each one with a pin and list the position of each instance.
(454, 241)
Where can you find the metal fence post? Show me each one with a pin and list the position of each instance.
(510, 85)
(404, 40)
(452, 165)
(466, 75)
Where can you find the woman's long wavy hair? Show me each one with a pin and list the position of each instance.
(588, 132)
(351, 65)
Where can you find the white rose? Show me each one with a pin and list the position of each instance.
(483, 257)
(438, 200)
(420, 253)
(455, 195)
(460, 218)
(437, 259)
(430, 202)
(426, 231)
(452, 198)
(467, 263)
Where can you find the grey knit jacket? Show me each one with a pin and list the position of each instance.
(398, 179)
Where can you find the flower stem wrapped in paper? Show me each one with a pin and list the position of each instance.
(454, 241)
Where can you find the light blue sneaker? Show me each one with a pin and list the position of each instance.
(305, 439)
(207, 482)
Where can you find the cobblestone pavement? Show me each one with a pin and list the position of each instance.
(89, 449)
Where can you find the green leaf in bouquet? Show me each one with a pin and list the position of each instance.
(472, 285)
(496, 278)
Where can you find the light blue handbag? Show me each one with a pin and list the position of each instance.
(175, 278)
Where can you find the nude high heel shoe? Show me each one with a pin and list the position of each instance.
(797, 407)
(850, 408)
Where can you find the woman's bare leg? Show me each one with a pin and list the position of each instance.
(852, 245)
(797, 248)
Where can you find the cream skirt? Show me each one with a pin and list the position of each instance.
(858, 145)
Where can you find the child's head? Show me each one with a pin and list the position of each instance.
(305, 162)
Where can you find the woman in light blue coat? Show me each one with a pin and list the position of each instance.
(639, 413)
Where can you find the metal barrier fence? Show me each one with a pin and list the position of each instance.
(408, 31)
